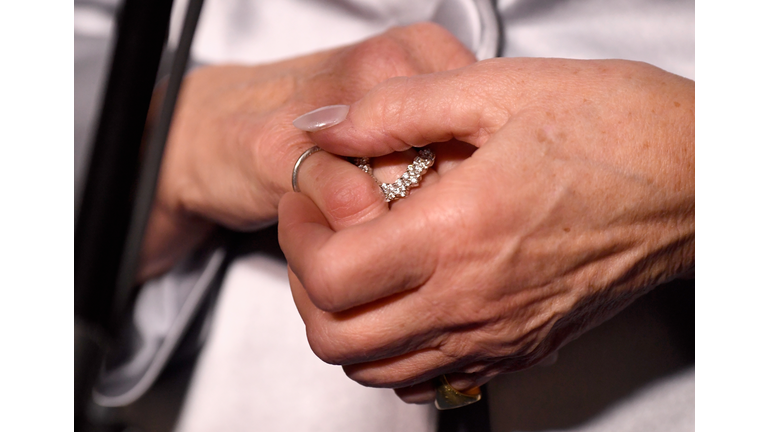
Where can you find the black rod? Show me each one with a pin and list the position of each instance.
(108, 197)
(151, 162)
(91, 337)
(109, 194)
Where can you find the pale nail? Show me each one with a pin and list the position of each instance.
(322, 118)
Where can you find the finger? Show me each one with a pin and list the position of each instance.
(414, 111)
(421, 366)
(304, 305)
(421, 393)
(423, 40)
(344, 194)
(425, 48)
(335, 337)
(468, 383)
(169, 236)
(401, 51)
(403, 370)
(357, 265)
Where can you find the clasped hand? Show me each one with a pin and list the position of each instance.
(232, 146)
(578, 199)
(562, 191)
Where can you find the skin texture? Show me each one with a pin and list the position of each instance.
(232, 146)
(579, 198)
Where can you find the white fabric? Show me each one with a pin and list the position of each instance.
(257, 31)
(252, 31)
(257, 371)
(659, 32)
(164, 308)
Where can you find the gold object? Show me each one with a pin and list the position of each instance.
(450, 398)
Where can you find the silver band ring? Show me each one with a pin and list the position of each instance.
(295, 178)
(409, 179)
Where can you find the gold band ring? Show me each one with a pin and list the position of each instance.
(449, 398)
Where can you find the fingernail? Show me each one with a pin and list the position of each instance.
(322, 118)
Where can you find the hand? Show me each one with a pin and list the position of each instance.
(232, 146)
(579, 199)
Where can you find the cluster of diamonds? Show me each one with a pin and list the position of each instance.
(410, 178)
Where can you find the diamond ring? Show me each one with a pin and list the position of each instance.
(409, 179)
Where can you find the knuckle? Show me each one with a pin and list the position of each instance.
(385, 102)
(320, 341)
(320, 292)
(337, 344)
(426, 30)
(325, 278)
(381, 56)
(445, 50)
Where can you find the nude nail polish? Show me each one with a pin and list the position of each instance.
(322, 118)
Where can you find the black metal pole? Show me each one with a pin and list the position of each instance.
(151, 161)
(104, 216)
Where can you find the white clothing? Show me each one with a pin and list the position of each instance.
(256, 370)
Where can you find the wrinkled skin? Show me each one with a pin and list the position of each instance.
(232, 146)
(578, 199)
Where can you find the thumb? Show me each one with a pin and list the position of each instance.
(467, 104)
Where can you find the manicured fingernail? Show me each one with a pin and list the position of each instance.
(322, 118)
